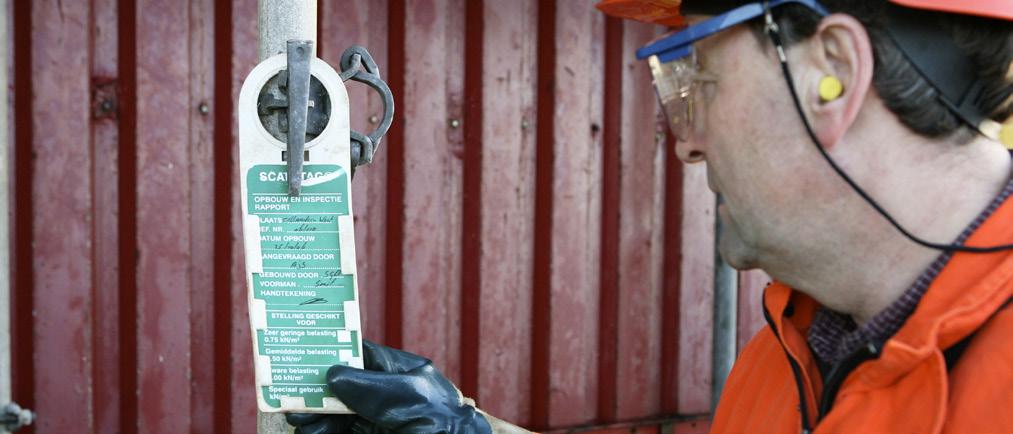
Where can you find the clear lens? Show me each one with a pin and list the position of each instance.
(674, 83)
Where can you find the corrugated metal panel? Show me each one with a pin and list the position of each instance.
(61, 189)
(567, 215)
(640, 207)
(106, 381)
(525, 224)
(240, 408)
(432, 100)
(505, 183)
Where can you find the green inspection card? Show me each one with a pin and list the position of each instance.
(308, 297)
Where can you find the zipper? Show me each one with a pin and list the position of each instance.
(803, 407)
(841, 370)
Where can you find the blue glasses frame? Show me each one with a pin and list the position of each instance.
(680, 44)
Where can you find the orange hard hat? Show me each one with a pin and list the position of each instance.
(664, 12)
(667, 12)
(1002, 9)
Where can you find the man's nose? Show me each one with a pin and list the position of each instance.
(689, 151)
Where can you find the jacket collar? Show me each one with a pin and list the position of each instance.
(961, 298)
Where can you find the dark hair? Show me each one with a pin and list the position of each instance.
(988, 43)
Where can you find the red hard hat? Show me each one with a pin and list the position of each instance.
(666, 12)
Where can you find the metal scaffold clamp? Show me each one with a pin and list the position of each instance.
(358, 65)
(294, 106)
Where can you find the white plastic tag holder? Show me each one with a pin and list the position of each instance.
(299, 251)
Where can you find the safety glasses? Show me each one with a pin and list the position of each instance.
(674, 67)
(676, 84)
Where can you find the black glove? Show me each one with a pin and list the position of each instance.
(398, 392)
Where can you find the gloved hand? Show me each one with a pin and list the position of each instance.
(398, 392)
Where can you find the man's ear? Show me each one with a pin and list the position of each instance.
(841, 49)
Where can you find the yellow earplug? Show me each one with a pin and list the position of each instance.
(1006, 135)
(831, 88)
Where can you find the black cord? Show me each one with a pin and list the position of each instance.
(772, 30)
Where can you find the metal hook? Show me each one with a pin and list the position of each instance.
(299, 54)
(358, 65)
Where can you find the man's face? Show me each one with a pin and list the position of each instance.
(758, 157)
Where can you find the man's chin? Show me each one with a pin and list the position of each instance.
(736, 255)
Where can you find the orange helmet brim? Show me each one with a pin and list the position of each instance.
(1002, 9)
(666, 12)
(663, 12)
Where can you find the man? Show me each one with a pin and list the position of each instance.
(855, 146)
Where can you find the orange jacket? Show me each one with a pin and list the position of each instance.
(907, 389)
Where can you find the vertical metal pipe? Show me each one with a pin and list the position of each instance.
(726, 284)
(279, 21)
(5, 136)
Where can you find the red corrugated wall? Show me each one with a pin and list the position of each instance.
(525, 224)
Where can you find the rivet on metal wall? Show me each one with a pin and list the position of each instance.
(373, 119)
(203, 108)
(104, 97)
(454, 123)
(525, 124)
